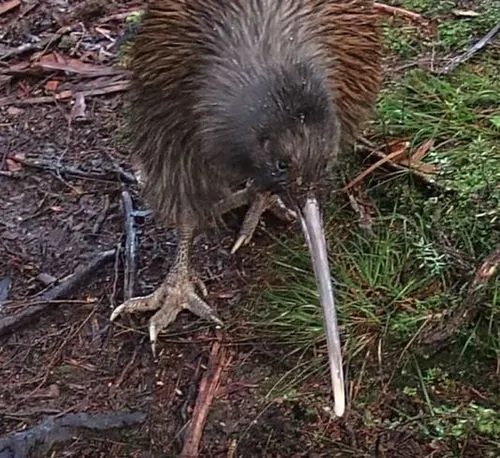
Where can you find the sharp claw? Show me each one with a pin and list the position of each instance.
(116, 312)
(219, 323)
(153, 334)
(216, 320)
(242, 240)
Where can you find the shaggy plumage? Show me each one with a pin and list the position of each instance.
(217, 84)
(262, 93)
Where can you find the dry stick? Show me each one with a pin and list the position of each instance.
(399, 12)
(110, 176)
(130, 246)
(208, 387)
(63, 428)
(119, 16)
(39, 46)
(48, 64)
(370, 149)
(462, 58)
(467, 311)
(78, 111)
(128, 177)
(65, 95)
(81, 275)
(387, 158)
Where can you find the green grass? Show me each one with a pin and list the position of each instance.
(404, 277)
(459, 112)
(452, 33)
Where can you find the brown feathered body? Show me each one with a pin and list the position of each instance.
(229, 90)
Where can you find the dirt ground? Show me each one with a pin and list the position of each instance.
(69, 358)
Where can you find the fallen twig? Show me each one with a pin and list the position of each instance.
(60, 429)
(468, 310)
(58, 62)
(130, 246)
(81, 275)
(400, 12)
(127, 368)
(38, 46)
(462, 58)
(208, 387)
(119, 16)
(128, 177)
(386, 158)
(369, 148)
(64, 95)
(72, 171)
(78, 111)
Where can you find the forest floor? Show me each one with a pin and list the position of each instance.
(413, 246)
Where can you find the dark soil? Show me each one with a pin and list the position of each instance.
(71, 359)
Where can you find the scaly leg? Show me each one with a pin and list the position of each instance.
(176, 293)
(262, 202)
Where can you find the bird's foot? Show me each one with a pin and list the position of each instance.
(263, 202)
(176, 293)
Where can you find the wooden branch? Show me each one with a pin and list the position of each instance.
(469, 309)
(39, 46)
(208, 388)
(123, 175)
(394, 11)
(63, 428)
(64, 289)
(130, 246)
(387, 158)
(454, 63)
(66, 96)
(369, 148)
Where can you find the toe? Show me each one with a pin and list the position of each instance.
(199, 307)
(148, 303)
(242, 240)
(117, 311)
(161, 319)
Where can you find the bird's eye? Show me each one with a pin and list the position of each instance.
(281, 166)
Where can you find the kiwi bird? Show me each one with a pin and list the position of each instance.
(247, 102)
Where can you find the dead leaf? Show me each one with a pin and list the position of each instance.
(12, 165)
(395, 11)
(18, 157)
(79, 107)
(394, 156)
(64, 95)
(396, 145)
(429, 169)
(422, 151)
(465, 13)
(56, 61)
(9, 5)
(51, 86)
(14, 111)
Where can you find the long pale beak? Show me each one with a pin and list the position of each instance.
(312, 226)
